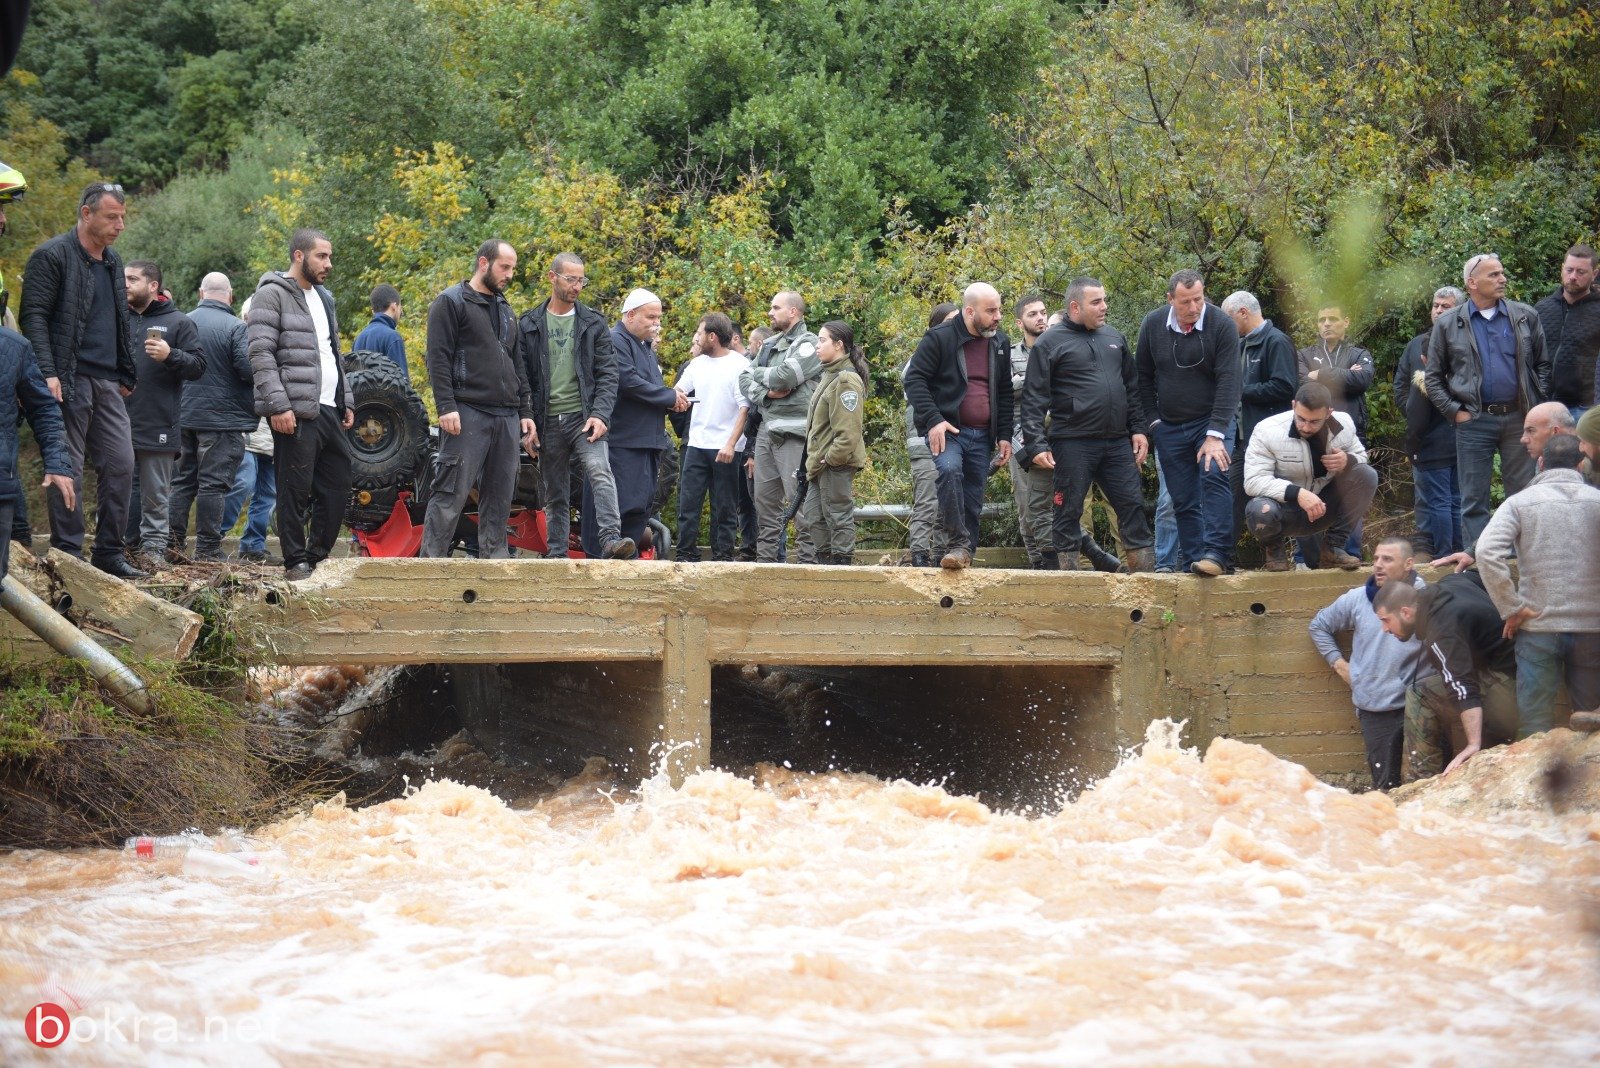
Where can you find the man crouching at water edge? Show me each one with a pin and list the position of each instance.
(1472, 702)
(1380, 663)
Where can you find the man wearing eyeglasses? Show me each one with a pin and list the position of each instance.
(75, 313)
(1486, 368)
(572, 371)
(1188, 362)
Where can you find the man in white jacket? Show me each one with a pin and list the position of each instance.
(1307, 474)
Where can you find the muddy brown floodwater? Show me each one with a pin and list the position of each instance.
(1227, 911)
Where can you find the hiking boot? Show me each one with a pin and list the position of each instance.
(1140, 560)
(620, 549)
(1048, 562)
(957, 559)
(1209, 566)
(1277, 557)
(1333, 555)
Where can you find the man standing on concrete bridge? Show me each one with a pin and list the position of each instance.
(485, 409)
(959, 387)
(778, 383)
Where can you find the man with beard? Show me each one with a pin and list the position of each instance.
(1571, 320)
(959, 387)
(480, 387)
(778, 384)
(169, 355)
(301, 388)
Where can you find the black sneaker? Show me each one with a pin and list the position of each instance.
(252, 557)
(118, 567)
(297, 572)
(621, 549)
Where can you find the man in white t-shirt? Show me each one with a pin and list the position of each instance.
(716, 439)
(300, 387)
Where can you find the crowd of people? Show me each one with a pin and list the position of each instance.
(207, 410)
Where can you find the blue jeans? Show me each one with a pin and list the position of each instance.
(1477, 441)
(1202, 500)
(257, 480)
(1544, 660)
(1438, 502)
(1166, 526)
(963, 469)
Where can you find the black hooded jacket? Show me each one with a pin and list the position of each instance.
(153, 407)
(1086, 381)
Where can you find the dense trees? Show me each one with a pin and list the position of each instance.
(879, 155)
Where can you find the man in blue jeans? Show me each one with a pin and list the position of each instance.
(958, 384)
(1430, 439)
(1486, 368)
(256, 482)
(1188, 362)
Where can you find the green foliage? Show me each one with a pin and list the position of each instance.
(164, 229)
(37, 148)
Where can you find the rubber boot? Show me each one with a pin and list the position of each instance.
(1141, 560)
(1102, 560)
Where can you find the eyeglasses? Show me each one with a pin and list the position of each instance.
(574, 280)
(94, 192)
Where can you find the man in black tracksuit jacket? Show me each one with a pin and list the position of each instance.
(1472, 702)
(1081, 371)
(958, 384)
(480, 388)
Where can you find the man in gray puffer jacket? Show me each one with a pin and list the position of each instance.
(301, 389)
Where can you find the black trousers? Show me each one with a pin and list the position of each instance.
(1384, 734)
(6, 509)
(635, 474)
(313, 487)
(206, 469)
(1108, 463)
(702, 474)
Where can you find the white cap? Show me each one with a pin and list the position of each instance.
(638, 299)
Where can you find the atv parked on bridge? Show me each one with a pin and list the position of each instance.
(394, 455)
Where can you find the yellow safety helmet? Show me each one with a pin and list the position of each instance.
(12, 183)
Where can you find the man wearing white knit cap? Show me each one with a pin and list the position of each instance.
(639, 421)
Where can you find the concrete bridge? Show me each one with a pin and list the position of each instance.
(1009, 672)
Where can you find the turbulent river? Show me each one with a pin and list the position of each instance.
(1225, 911)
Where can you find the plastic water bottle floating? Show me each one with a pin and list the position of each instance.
(146, 847)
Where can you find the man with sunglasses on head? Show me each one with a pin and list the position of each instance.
(1187, 357)
(75, 314)
(1486, 367)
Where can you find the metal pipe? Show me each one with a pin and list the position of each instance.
(68, 640)
(867, 512)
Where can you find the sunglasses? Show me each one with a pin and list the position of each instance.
(94, 191)
(1475, 261)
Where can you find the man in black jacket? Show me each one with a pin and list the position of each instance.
(218, 412)
(170, 357)
(480, 388)
(1430, 440)
(1571, 320)
(22, 391)
(1267, 379)
(1188, 361)
(572, 374)
(75, 314)
(958, 384)
(1487, 366)
(1082, 373)
(1345, 369)
(1472, 702)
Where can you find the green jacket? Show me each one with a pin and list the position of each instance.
(834, 436)
(786, 361)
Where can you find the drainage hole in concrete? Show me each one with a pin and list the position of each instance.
(272, 597)
(1258, 609)
(947, 602)
(469, 595)
(1137, 615)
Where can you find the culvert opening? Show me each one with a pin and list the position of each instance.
(1017, 737)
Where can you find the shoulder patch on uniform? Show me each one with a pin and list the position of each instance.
(804, 350)
(850, 399)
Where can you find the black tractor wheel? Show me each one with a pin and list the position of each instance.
(387, 441)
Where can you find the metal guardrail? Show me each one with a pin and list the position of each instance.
(903, 511)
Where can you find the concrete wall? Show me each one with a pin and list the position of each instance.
(1230, 655)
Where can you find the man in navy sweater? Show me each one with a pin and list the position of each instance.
(1188, 363)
